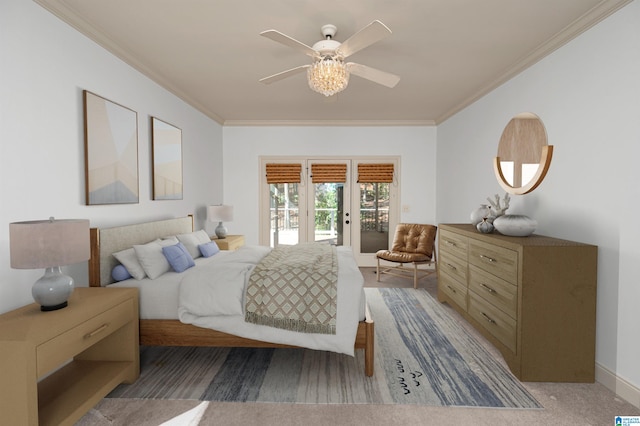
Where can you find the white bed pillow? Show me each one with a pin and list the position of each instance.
(130, 261)
(192, 240)
(151, 257)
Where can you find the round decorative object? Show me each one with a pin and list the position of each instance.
(485, 226)
(515, 225)
(480, 213)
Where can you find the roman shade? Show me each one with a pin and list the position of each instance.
(283, 173)
(375, 173)
(321, 173)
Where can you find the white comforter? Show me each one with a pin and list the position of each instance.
(212, 296)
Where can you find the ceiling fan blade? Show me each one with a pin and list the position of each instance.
(377, 76)
(283, 74)
(288, 41)
(373, 32)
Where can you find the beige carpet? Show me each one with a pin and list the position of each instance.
(564, 404)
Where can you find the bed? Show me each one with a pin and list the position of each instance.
(160, 323)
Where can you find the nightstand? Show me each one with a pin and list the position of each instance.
(55, 366)
(232, 242)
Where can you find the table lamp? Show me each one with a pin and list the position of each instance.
(220, 214)
(50, 244)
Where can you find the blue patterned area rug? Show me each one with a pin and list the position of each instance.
(423, 356)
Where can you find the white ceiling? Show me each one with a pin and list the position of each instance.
(448, 53)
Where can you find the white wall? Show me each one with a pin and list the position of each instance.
(244, 145)
(44, 66)
(588, 96)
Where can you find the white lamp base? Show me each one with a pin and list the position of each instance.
(221, 231)
(53, 289)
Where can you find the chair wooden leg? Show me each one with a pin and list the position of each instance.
(415, 275)
(378, 270)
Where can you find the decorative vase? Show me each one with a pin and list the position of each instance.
(515, 225)
(485, 226)
(484, 211)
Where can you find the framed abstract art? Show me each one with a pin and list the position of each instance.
(166, 148)
(111, 152)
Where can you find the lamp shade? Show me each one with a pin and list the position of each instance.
(49, 243)
(220, 213)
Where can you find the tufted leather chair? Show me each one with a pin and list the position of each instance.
(412, 243)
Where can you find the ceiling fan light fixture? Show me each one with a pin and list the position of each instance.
(328, 76)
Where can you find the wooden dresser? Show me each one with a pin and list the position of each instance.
(533, 297)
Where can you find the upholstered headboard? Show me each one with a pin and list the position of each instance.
(105, 242)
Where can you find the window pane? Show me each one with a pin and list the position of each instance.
(374, 217)
(284, 214)
(328, 213)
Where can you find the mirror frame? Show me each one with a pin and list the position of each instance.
(541, 172)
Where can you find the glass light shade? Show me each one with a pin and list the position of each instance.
(50, 244)
(328, 76)
(220, 214)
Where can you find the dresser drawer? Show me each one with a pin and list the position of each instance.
(453, 266)
(454, 289)
(499, 324)
(455, 244)
(498, 292)
(62, 348)
(499, 261)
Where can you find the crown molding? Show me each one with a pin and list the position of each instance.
(329, 123)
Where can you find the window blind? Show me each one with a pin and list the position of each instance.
(283, 173)
(375, 173)
(321, 173)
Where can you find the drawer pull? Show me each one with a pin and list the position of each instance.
(487, 258)
(452, 289)
(489, 289)
(488, 318)
(98, 330)
(451, 266)
(450, 243)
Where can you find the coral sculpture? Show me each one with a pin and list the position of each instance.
(499, 208)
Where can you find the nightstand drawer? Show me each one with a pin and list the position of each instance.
(56, 351)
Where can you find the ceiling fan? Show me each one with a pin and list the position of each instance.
(328, 73)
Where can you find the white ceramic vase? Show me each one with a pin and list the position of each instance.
(480, 213)
(485, 226)
(515, 225)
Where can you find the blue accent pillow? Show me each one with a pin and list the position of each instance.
(208, 249)
(120, 273)
(178, 257)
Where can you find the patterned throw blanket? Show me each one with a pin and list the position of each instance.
(295, 288)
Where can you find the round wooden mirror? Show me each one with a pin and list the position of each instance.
(523, 154)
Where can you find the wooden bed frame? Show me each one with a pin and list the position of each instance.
(106, 241)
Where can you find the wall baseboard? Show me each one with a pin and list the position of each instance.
(619, 386)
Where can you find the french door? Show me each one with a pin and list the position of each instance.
(328, 202)
(321, 200)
